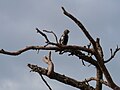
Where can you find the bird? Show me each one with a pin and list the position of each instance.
(64, 38)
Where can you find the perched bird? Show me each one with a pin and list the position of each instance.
(64, 38)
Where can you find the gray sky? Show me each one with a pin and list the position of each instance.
(18, 20)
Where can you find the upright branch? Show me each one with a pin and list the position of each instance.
(100, 60)
(47, 60)
(98, 52)
(99, 76)
(80, 25)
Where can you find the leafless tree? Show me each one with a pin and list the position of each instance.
(84, 53)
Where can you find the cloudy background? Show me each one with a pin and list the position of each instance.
(18, 20)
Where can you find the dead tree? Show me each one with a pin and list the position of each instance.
(85, 53)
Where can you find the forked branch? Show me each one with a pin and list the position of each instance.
(97, 49)
(47, 60)
(112, 54)
(53, 34)
(61, 78)
(47, 40)
(43, 34)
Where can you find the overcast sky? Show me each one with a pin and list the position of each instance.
(18, 20)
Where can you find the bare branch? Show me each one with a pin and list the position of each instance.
(14, 53)
(35, 69)
(80, 52)
(80, 25)
(47, 40)
(84, 57)
(112, 54)
(61, 78)
(50, 69)
(38, 31)
(100, 60)
(53, 34)
(45, 82)
(47, 60)
(97, 47)
(83, 62)
(63, 47)
(93, 78)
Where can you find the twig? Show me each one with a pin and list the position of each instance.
(83, 62)
(53, 34)
(88, 46)
(45, 82)
(112, 54)
(34, 68)
(44, 35)
(47, 40)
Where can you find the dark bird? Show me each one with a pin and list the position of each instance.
(64, 38)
